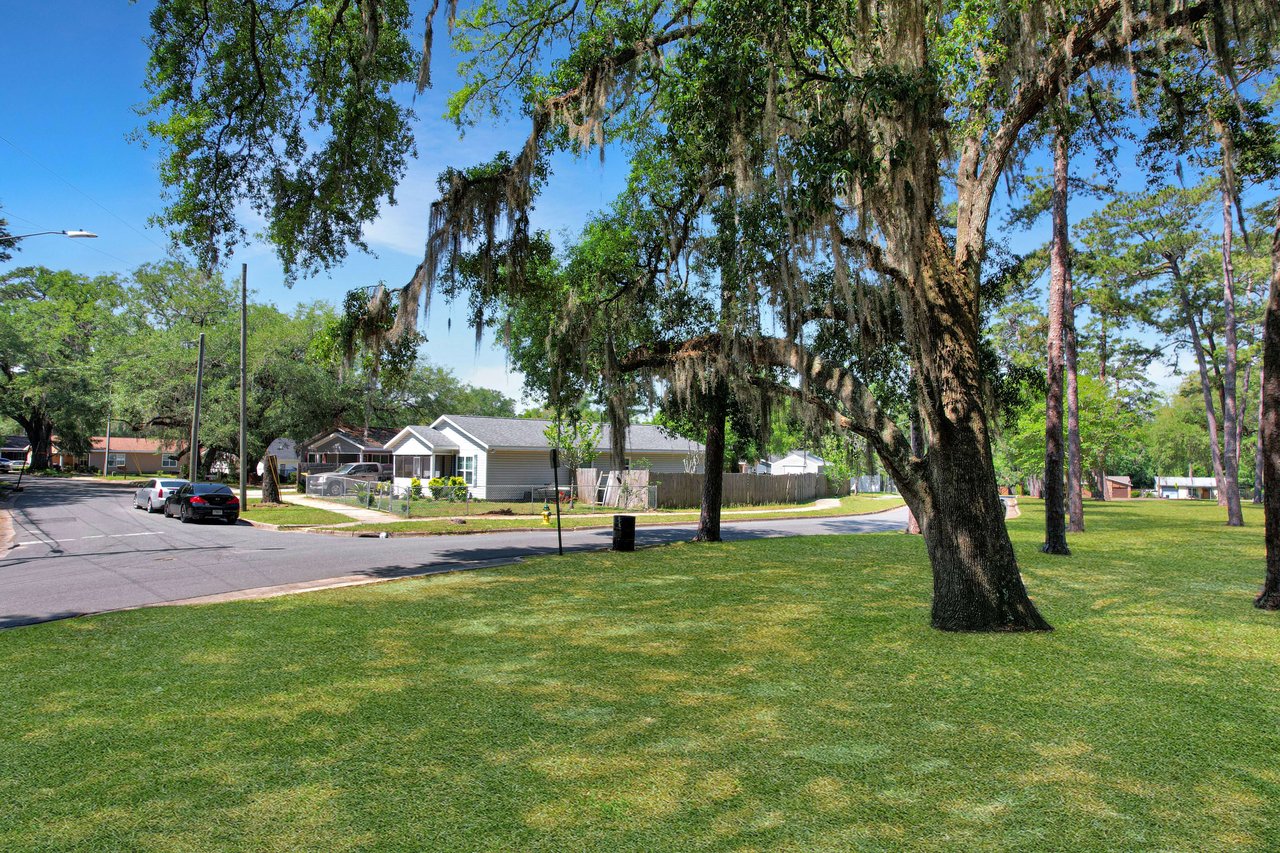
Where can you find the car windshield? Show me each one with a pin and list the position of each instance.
(210, 489)
(347, 469)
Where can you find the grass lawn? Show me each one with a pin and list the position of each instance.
(776, 694)
(291, 514)
(477, 522)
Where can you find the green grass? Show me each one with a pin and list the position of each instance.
(292, 514)
(769, 695)
(478, 522)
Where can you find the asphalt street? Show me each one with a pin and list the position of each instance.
(80, 548)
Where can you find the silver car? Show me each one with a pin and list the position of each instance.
(151, 497)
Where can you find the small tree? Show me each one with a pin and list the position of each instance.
(578, 442)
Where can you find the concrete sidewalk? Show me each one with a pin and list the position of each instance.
(369, 516)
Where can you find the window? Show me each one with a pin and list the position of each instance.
(168, 460)
(115, 460)
(467, 469)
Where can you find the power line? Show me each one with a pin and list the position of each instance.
(107, 210)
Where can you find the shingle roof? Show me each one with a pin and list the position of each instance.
(16, 442)
(433, 438)
(529, 434)
(804, 454)
(378, 437)
(125, 444)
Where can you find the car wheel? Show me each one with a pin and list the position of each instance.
(333, 489)
(185, 515)
(151, 506)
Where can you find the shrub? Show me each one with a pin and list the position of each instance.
(415, 489)
(448, 488)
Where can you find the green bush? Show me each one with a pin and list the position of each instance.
(448, 488)
(415, 489)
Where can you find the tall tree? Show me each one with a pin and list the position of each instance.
(1055, 533)
(60, 334)
(1269, 597)
(854, 111)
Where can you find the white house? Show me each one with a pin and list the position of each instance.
(1187, 488)
(795, 462)
(285, 450)
(509, 458)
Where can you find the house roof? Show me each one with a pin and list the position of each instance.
(432, 438)
(16, 442)
(530, 434)
(125, 444)
(283, 448)
(1187, 482)
(1122, 479)
(808, 455)
(378, 437)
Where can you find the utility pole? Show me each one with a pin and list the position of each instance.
(193, 455)
(244, 348)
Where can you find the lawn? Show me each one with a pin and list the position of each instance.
(479, 522)
(776, 694)
(292, 514)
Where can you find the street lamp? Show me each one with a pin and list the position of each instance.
(74, 233)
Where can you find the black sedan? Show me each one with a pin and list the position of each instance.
(198, 501)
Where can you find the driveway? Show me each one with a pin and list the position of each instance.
(82, 548)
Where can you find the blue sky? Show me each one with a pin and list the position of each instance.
(73, 73)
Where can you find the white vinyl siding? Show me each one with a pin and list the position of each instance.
(514, 474)
(468, 448)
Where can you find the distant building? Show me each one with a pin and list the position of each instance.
(1118, 487)
(135, 455)
(285, 450)
(1187, 488)
(795, 462)
(16, 448)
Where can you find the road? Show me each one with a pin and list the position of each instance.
(82, 548)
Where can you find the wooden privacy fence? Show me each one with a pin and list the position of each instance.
(676, 491)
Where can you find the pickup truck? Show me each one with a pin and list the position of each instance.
(335, 482)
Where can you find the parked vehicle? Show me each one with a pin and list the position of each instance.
(334, 482)
(198, 501)
(6, 467)
(152, 496)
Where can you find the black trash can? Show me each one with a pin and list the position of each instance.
(624, 533)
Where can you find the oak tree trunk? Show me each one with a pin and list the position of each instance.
(1055, 522)
(713, 467)
(270, 484)
(1269, 597)
(976, 582)
(39, 430)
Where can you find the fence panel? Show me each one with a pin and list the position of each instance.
(678, 491)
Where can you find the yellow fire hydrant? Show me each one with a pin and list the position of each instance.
(546, 514)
